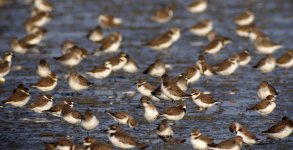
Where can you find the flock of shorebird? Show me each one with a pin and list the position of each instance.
(170, 89)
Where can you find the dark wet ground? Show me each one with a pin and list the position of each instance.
(23, 129)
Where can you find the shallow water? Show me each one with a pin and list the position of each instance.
(23, 129)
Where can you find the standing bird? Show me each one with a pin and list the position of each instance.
(200, 141)
(204, 67)
(192, 74)
(265, 89)
(226, 67)
(198, 6)
(91, 144)
(234, 143)
(156, 69)
(131, 66)
(121, 139)
(175, 112)
(244, 19)
(265, 106)
(71, 116)
(266, 64)
(47, 84)
(182, 82)
(43, 103)
(72, 57)
(38, 20)
(5, 65)
(66, 46)
(145, 89)
(202, 28)
(19, 46)
(77, 82)
(118, 61)
(108, 21)
(281, 129)
(43, 5)
(164, 130)
(123, 118)
(19, 97)
(110, 43)
(43, 69)
(95, 35)
(243, 57)
(164, 40)
(101, 72)
(286, 60)
(56, 110)
(150, 110)
(163, 15)
(89, 120)
(61, 144)
(240, 130)
(264, 45)
(203, 101)
(171, 90)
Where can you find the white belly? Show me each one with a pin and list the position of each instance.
(90, 125)
(119, 144)
(263, 93)
(121, 121)
(268, 109)
(20, 103)
(195, 77)
(144, 91)
(246, 139)
(242, 33)
(176, 36)
(96, 37)
(165, 133)
(267, 50)
(75, 86)
(151, 115)
(246, 21)
(2, 74)
(168, 94)
(199, 8)
(215, 49)
(100, 75)
(18, 49)
(157, 72)
(43, 72)
(284, 133)
(48, 88)
(71, 62)
(43, 108)
(162, 46)
(245, 62)
(268, 67)
(114, 47)
(202, 32)
(198, 144)
(229, 70)
(235, 147)
(62, 147)
(69, 118)
(286, 65)
(42, 22)
(119, 66)
(202, 104)
(131, 68)
(175, 118)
